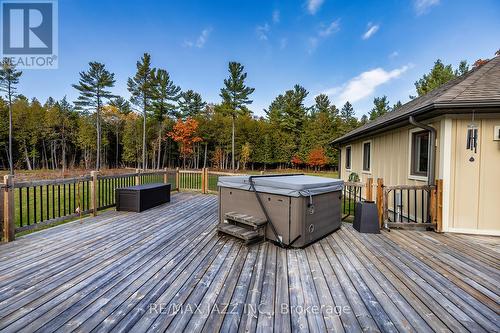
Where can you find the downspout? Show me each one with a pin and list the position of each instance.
(339, 166)
(431, 164)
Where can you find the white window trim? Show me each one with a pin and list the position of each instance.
(350, 167)
(410, 137)
(367, 172)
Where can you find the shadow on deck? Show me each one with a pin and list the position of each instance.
(166, 269)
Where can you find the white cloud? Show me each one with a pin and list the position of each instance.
(422, 6)
(363, 85)
(313, 6)
(330, 29)
(262, 31)
(372, 29)
(393, 54)
(201, 40)
(276, 16)
(324, 32)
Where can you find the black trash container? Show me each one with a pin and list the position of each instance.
(366, 217)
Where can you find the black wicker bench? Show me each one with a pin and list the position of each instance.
(141, 197)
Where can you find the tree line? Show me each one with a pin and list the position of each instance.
(162, 125)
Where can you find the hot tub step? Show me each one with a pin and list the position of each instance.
(254, 222)
(249, 236)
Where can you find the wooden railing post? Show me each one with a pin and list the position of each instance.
(433, 203)
(439, 205)
(203, 181)
(9, 227)
(137, 176)
(94, 184)
(2, 191)
(380, 200)
(177, 179)
(165, 176)
(369, 189)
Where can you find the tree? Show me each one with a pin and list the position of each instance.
(165, 95)
(93, 85)
(235, 97)
(381, 107)
(396, 106)
(317, 158)
(114, 118)
(246, 150)
(121, 104)
(141, 88)
(347, 117)
(479, 62)
(191, 104)
(463, 68)
(297, 161)
(9, 78)
(184, 132)
(322, 103)
(439, 75)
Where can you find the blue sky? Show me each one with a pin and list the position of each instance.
(352, 50)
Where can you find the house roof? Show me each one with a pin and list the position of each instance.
(478, 88)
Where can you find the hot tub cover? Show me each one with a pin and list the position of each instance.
(295, 186)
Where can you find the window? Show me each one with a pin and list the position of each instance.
(348, 157)
(367, 146)
(419, 153)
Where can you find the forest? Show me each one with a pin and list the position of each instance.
(162, 125)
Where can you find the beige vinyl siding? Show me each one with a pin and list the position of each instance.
(475, 186)
(389, 158)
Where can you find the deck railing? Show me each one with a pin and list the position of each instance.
(33, 204)
(407, 204)
(352, 193)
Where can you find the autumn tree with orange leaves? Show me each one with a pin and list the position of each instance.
(184, 133)
(296, 161)
(317, 158)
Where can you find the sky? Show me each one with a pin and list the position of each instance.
(350, 50)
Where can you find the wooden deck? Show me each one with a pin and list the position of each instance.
(167, 270)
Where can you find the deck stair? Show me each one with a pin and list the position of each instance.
(246, 227)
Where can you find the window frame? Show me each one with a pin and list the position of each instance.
(348, 168)
(412, 174)
(369, 170)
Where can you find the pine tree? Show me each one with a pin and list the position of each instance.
(463, 68)
(191, 104)
(347, 118)
(141, 88)
(439, 75)
(235, 97)
(165, 95)
(9, 78)
(322, 103)
(121, 104)
(93, 85)
(381, 107)
(396, 105)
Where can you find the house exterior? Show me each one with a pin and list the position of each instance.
(464, 115)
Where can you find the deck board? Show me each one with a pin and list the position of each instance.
(166, 269)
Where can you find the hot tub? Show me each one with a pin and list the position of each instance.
(301, 208)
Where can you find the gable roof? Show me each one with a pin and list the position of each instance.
(477, 88)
